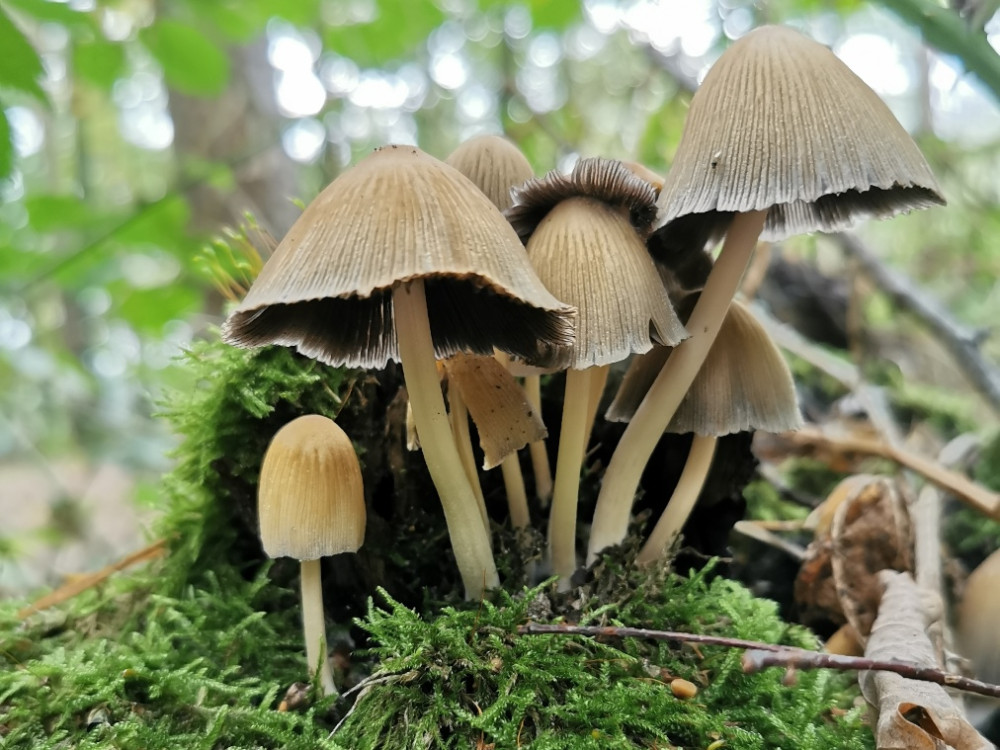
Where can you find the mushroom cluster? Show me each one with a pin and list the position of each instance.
(472, 272)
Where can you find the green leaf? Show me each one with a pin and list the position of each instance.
(6, 146)
(48, 213)
(191, 62)
(99, 61)
(545, 14)
(20, 67)
(54, 12)
(553, 14)
(398, 29)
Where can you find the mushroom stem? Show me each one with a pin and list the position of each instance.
(459, 418)
(572, 439)
(598, 379)
(465, 524)
(538, 450)
(621, 480)
(517, 496)
(681, 503)
(314, 625)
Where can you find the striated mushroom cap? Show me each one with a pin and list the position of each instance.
(781, 123)
(588, 253)
(396, 216)
(310, 498)
(743, 385)
(606, 180)
(495, 166)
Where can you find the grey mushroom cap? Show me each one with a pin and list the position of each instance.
(744, 384)
(495, 165)
(588, 254)
(606, 180)
(780, 123)
(397, 216)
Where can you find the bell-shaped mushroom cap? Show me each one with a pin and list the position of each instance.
(310, 499)
(645, 173)
(779, 122)
(606, 180)
(495, 166)
(743, 385)
(589, 255)
(396, 216)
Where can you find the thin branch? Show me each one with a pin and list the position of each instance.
(760, 655)
(961, 342)
(970, 492)
(755, 660)
(609, 631)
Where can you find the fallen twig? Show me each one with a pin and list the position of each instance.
(754, 660)
(761, 655)
(81, 583)
(970, 492)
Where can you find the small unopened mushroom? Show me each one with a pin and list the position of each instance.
(311, 504)
(977, 633)
(780, 138)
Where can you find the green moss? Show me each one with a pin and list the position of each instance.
(465, 676)
(198, 649)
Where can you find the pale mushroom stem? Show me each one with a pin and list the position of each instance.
(314, 625)
(572, 439)
(681, 502)
(461, 512)
(621, 479)
(539, 452)
(598, 379)
(459, 418)
(517, 496)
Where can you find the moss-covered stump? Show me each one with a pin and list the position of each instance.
(203, 648)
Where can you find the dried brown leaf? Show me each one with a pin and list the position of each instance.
(506, 422)
(911, 714)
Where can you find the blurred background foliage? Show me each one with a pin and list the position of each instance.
(133, 131)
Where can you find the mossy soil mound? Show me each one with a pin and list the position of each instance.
(202, 648)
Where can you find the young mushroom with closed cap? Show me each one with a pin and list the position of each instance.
(585, 234)
(311, 504)
(402, 258)
(780, 138)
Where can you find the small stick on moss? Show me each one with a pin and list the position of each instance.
(761, 655)
(755, 660)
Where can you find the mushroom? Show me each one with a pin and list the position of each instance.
(780, 138)
(585, 236)
(744, 384)
(402, 258)
(311, 504)
(976, 633)
(496, 166)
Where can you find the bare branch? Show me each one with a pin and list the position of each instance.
(762, 655)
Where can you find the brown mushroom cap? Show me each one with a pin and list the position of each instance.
(588, 254)
(310, 498)
(743, 385)
(495, 166)
(781, 123)
(606, 180)
(396, 216)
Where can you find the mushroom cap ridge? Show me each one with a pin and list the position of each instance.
(396, 216)
(781, 123)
